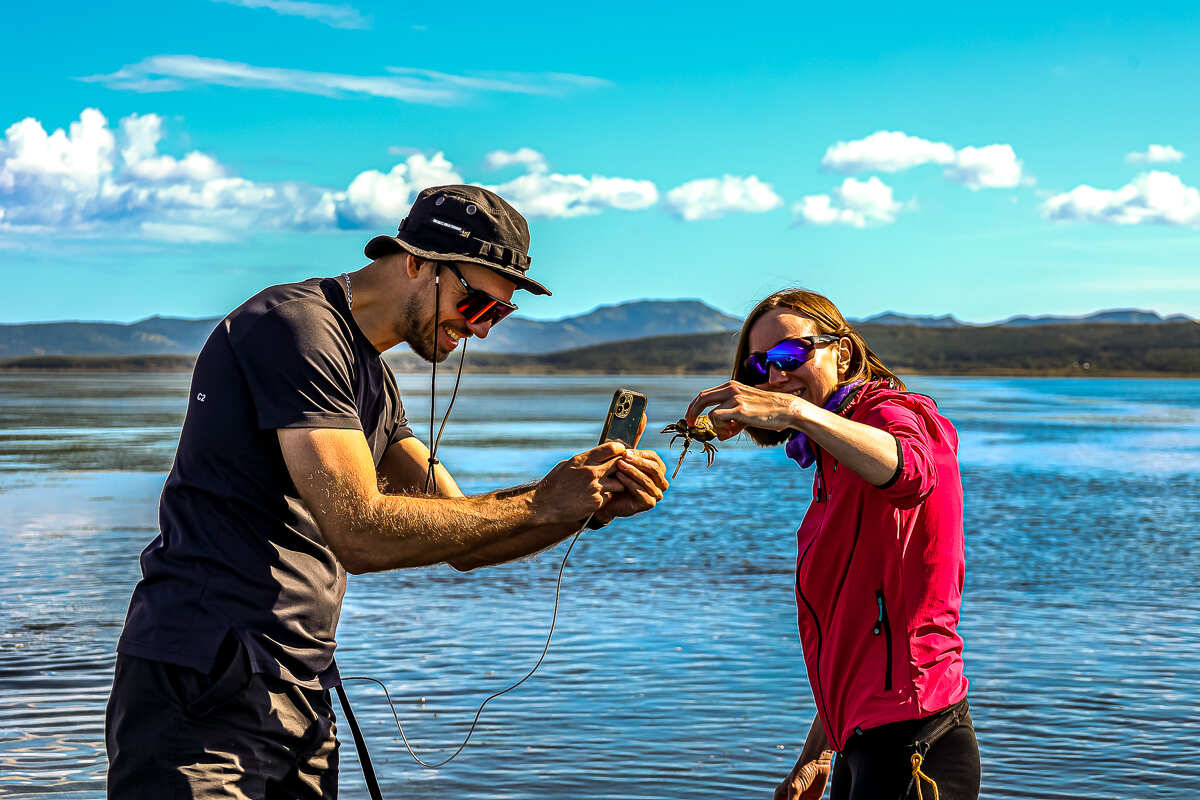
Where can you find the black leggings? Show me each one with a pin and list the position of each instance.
(877, 763)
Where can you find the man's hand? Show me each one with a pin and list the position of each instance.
(643, 478)
(806, 781)
(579, 486)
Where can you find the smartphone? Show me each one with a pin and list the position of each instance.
(626, 418)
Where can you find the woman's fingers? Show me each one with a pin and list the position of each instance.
(727, 428)
(728, 419)
(709, 397)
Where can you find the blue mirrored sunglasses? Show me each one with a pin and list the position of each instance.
(787, 355)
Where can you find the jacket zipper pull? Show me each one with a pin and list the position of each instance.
(878, 629)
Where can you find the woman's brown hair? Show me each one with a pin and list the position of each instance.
(864, 364)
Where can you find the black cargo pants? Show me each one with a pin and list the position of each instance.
(175, 733)
(877, 762)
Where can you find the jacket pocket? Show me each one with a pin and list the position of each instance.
(883, 627)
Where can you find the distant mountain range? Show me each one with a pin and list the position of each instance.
(1067, 349)
(893, 318)
(168, 335)
(1117, 315)
(1105, 349)
(637, 319)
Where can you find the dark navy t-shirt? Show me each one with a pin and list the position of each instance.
(238, 551)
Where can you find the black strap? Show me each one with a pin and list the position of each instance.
(364, 758)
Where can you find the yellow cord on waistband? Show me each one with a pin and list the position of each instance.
(918, 776)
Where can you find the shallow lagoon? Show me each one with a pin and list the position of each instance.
(675, 669)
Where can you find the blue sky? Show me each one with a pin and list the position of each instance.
(982, 161)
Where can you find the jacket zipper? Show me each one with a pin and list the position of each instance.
(884, 626)
(822, 494)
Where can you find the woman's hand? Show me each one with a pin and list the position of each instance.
(738, 406)
(806, 781)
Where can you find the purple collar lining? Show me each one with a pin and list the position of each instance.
(798, 447)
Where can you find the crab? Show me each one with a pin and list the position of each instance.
(702, 432)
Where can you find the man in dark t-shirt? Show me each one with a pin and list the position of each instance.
(295, 465)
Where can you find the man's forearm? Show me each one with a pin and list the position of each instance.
(370, 531)
(519, 545)
(392, 531)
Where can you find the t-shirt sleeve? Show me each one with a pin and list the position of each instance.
(916, 474)
(299, 367)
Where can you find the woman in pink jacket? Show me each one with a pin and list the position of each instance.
(879, 570)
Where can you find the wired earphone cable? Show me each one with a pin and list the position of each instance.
(437, 321)
(489, 698)
(435, 441)
(430, 483)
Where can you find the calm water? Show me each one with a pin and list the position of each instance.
(675, 670)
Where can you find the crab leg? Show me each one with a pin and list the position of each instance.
(687, 442)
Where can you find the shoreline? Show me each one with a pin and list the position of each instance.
(40, 365)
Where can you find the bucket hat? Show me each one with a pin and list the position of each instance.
(464, 224)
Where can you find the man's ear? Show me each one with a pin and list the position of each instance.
(412, 265)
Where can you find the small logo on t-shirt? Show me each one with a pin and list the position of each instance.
(201, 396)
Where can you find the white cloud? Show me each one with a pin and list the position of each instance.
(168, 73)
(539, 194)
(70, 180)
(142, 133)
(1155, 154)
(1151, 198)
(708, 198)
(81, 155)
(375, 198)
(545, 83)
(96, 178)
(857, 203)
(885, 151)
(339, 16)
(991, 166)
(531, 159)
(57, 177)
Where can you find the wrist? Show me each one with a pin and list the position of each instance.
(798, 414)
(532, 508)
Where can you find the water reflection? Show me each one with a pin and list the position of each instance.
(676, 669)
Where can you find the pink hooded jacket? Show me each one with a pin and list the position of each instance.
(879, 575)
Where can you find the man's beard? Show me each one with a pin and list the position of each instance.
(424, 333)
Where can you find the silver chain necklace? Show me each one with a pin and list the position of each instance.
(349, 292)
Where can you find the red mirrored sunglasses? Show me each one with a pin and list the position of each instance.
(477, 305)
